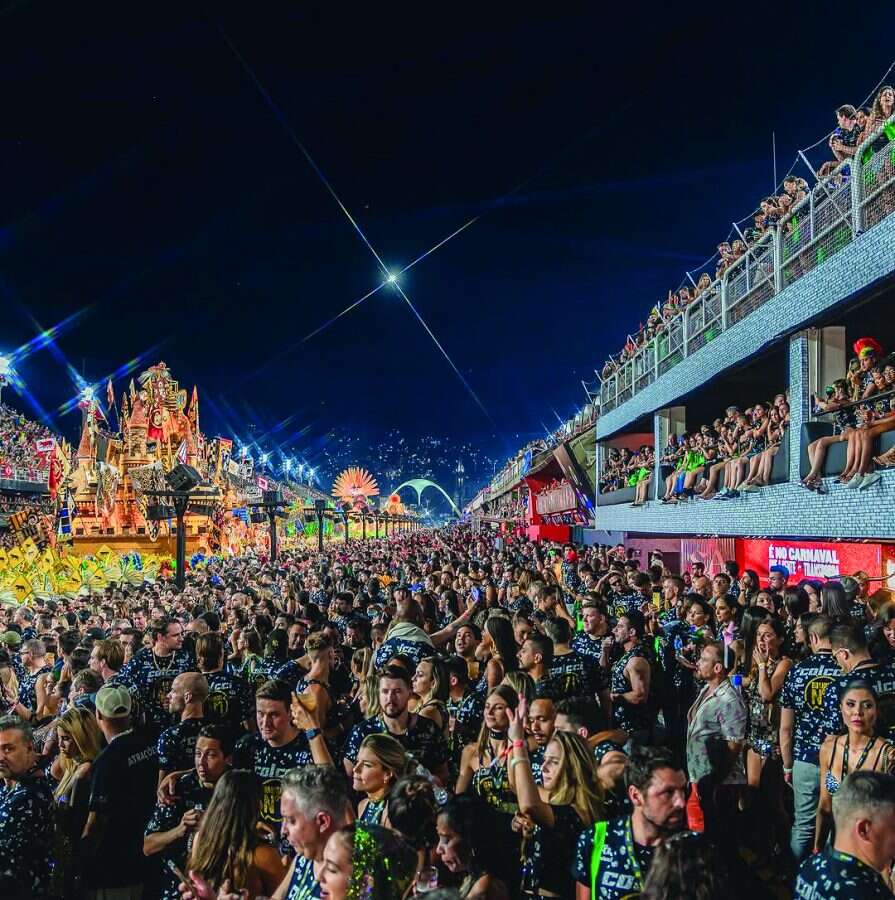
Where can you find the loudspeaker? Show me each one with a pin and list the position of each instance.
(158, 512)
(183, 478)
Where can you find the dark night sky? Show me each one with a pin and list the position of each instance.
(145, 177)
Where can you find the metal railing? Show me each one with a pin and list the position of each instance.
(854, 198)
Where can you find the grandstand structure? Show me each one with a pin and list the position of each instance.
(782, 319)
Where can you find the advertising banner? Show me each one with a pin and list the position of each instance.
(809, 559)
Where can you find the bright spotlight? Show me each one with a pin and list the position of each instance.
(5, 366)
(392, 278)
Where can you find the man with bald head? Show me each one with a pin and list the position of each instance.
(177, 744)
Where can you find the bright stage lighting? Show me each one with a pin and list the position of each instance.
(392, 278)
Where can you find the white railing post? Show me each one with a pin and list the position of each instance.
(723, 290)
(857, 223)
(777, 250)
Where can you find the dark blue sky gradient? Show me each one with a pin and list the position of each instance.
(145, 177)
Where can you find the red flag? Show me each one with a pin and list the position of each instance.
(110, 394)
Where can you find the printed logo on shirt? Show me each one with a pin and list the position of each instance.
(270, 799)
(161, 687)
(815, 690)
(218, 703)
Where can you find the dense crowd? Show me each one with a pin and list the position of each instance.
(853, 126)
(862, 405)
(19, 454)
(443, 713)
(741, 445)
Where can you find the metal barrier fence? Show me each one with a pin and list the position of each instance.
(859, 194)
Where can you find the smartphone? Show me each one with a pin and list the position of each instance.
(178, 872)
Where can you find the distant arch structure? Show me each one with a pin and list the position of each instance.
(421, 484)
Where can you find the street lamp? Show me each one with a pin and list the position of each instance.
(320, 509)
(344, 509)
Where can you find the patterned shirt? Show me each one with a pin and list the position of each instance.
(576, 674)
(230, 701)
(177, 745)
(832, 875)
(393, 646)
(303, 885)
(629, 717)
(718, 713)
(150, 677)
(803, 692)
(620, 876)
(26, 832)
(270, 764)
(423, 740)
(466, 716)
(621, 604)
(28, 688)
(190, 794)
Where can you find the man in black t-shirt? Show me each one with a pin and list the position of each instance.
(186, 701)
(122, 797)
(172, 827)
(273, 750)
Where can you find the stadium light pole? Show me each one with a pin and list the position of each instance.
(320, 509)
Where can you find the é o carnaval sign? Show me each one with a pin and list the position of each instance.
(810, 559)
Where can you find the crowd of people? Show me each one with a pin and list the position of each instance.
(853, 126)
(741, 445)
(628, 468)
(862, 407)
(20, 453)
(442, 713)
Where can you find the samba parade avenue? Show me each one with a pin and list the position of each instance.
(448, 459)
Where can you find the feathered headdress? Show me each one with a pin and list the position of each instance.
(863, 346)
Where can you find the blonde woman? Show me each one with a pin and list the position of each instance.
(431, 685)
(80, 742)
(381, 760)
(570, 801)
(9, 683)
(227, 847)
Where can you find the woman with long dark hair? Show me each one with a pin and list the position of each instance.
(858, 748)
(834, 602)
(227, 846)
(498, 639)
(467, 847)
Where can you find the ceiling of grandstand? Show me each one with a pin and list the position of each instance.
(157, 177)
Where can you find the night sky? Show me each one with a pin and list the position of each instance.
(147, 181)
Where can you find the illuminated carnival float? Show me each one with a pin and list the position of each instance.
(113, 488)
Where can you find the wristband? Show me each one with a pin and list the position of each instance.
(311, 733)
(518, 745)
(518, 759)
(787, 771)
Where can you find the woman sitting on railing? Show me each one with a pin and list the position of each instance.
(643, 475)
(738, 463)
(877, 420)
(778, 423)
